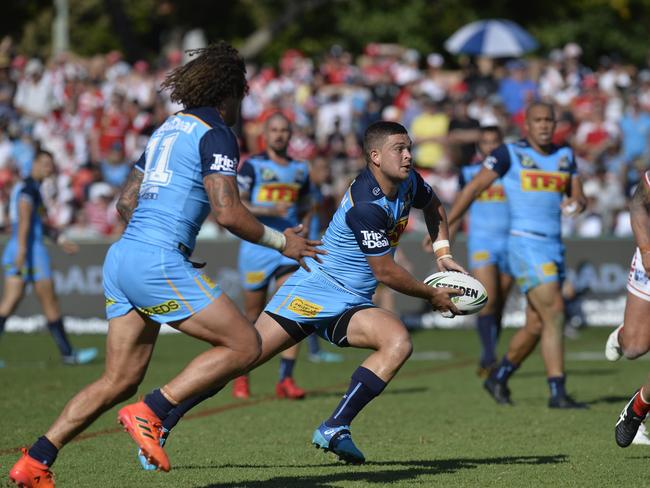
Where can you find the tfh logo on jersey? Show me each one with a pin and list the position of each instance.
(278, 192)
(373, 240)
(536, 180)
(223, 163)
(495, 193)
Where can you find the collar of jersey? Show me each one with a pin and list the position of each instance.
(209, 115)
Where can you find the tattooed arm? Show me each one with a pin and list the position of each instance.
(129, 196)
(228, 208)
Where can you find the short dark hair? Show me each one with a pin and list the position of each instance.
(376, 134)
(540, 104)
(216, 74)
(491, 128)
(43, 152)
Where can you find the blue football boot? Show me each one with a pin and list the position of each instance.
(339, 441)
(80, 356)
(146, 465)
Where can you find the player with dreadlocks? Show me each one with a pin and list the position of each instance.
(188, 168)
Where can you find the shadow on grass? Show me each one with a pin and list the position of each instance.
(570, 373)
(609, 399)
(389, 391)
(406, 470)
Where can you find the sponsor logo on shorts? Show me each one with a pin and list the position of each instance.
(549, 269)
(481, 255)
(254, 277)
(161, 309)
(373, 239)
(537, 180)
(304, 307)
(109, 301)
(223, 163)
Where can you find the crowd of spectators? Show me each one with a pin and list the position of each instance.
(95, 115)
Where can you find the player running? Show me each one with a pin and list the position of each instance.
(540, 181)
(633, 339)
(189, 166)
(276, 189)
(26, 260)
(335, 299)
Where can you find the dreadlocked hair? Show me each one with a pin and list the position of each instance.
(206, 81)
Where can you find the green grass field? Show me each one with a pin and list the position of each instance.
(433, 426)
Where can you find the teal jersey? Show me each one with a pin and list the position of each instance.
(534, 184)
(368, 223)
(27, 190)
(269, 183)
(489, 213)
(172, 202)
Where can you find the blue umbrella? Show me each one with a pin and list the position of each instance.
(492, 38)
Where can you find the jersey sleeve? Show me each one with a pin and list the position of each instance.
(246, 177)
(461, 179)
(422, 193)
(219, 152)
(142, 162)
(498, 160)
(573, 167)
(306, 187)
(29, 194)
(368, 223)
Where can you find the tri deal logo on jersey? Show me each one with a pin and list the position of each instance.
(278, 192)
(373, 239)
(223, 163)
(538, 180)
(495, 193)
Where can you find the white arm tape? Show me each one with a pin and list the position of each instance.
(440, 244)
(273, 239)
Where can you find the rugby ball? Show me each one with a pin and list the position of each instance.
(473, 298)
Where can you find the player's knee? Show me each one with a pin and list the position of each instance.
(400, 348)
(122, 387)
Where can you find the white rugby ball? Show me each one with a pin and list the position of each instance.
(473, 298)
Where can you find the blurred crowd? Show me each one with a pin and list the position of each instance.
(95, 115)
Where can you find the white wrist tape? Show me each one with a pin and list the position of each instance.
(273, 239)
(440, 244)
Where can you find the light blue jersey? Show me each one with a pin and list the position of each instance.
(148, 268)
(535, 185)
(268, 183)
(489, 223)
(367, 223)
(37, 260)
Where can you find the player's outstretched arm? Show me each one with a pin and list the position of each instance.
(576, 201)
(24, 226)
(640, 219)
(472, 190)
(232, 214)
(128, 199)
(391, 274)
(436, 220)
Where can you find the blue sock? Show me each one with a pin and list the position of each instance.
(286, 368)
(365, 386)
(182, 408)
(556, 385)
(2, 323)
(43, 451)
(504, 370)
(157, 402)
(487, 328)
(312, 344)
(60, 337)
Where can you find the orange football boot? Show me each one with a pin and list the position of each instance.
(287, 388)
(145, 427)
(240, 387)
(29, 473)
